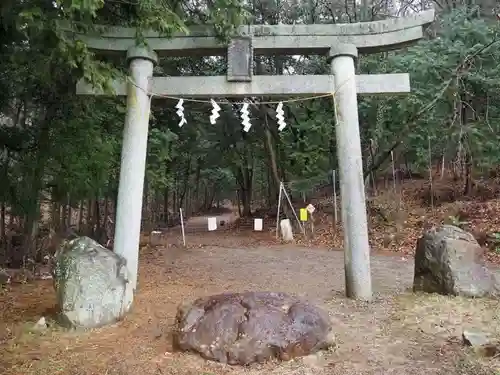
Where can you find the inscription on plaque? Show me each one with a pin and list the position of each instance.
(240, 60)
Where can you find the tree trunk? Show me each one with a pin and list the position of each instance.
(271, 192)
(244, 178)
(89, 218)
(56, 216)
(212, 198)
(197, 185)
(35, 179)
(272, 154)
(69, 214)
(80, 217)
(205, 200)
(468, 174)
(3, 238)
(165, 205)
(2, 223)
(238, 201)
(145, 203)
(185, 182)
(245, 196)
(106, 211)
(63, 212)
(97, 214)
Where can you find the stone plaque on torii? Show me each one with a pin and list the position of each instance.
(341, 43)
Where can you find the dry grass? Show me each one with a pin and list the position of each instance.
(398, 333)
(442, 319)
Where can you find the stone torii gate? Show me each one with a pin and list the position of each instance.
(340, 43)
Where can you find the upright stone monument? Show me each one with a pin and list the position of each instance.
(340, 43)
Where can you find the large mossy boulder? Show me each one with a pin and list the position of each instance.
(91, 284)
(242, 328)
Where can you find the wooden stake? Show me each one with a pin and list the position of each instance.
(279, 206)
(430, 171)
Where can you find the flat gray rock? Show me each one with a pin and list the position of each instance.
(475, 339)
(91, 284)
(242, 328)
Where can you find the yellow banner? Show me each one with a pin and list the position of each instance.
(303, 214)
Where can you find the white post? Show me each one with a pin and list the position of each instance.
(182, 228)
(352, 187)
(133, 161)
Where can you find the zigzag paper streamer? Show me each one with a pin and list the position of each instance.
(245, 119)
(180, 112)
(280, 116)
(215, 112)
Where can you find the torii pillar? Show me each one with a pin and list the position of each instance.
(352, 187)
(133, 159)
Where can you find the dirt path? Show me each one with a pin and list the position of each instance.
(394, 335)
(315, 273)
(199, 224)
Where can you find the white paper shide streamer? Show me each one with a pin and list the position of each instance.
(245, 119)
(215, 112)
(280, 116)
(180, 112)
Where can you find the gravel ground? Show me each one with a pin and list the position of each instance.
(396, 334)
(315, 273)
